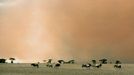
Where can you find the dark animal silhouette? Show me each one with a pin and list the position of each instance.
(66, 62)
(103, 61)
(94, 62)
(12, 59)
(49, 65)
(117, 66)
(118, 62)
(86, 65)
(98, 66)
(49, 61)
(2, 60)
(71, 61)
(35, 65)
(57, 65)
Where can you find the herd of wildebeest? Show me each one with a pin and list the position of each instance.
(88, 65)
(59, 63)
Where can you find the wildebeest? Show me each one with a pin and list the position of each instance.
(49, 65)
(86, 65)
(71, 61)
(98, 66)
(57, 65)
(103, 61)
(66, 62)
(2, 60)
(35, 65)
(117, 66)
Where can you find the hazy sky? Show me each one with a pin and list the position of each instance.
(33, 30)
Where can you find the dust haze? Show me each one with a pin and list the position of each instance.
(67, 29)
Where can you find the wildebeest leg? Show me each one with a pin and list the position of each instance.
(37, 66)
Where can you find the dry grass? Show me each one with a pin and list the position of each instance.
(72, 69)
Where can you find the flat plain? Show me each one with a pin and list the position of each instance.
(65, 69)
